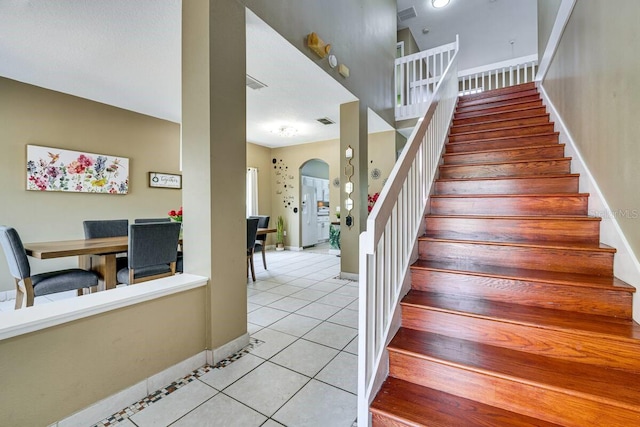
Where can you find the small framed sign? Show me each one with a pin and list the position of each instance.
(165, 180)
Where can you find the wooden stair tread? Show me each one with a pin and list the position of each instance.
(497, 121)
(415, 405)
(545, 318)
(500, 138)
(558, 159)
(601, 247)
(573, 279)
(607, 386)
(492, 178)
(521, 127)
(502, 150)
(444, 196)
(509, 106)
(502, 90)
(522, 217)
(491, 115)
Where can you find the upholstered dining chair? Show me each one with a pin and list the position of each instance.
(97, 229)
(261, 239)
(180, 261)
(30, 286)
(153, 251)
(252, 231)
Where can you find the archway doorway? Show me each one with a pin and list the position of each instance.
(314, 202)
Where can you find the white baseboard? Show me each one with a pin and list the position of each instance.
(112, 404)
(626, 265)
(229, 348)
(293, 248)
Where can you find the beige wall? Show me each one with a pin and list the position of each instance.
(547, 11)
(593, 82)
(50, 374)
(382, 156)
(259, 157)
(410, 45)
(291, 159)
(32, 115)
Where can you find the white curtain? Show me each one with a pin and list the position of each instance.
(252, 191)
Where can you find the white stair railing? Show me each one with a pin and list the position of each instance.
(386, 247)
(497, 75)
(417, 76)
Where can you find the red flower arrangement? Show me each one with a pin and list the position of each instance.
(176, 215)
(372, 201)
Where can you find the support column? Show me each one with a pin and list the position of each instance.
(353, 133)
(214, 162)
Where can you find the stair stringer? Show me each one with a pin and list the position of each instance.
(626, 266)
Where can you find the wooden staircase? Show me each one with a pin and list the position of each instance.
(514, 317)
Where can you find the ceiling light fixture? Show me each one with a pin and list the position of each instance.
(439, 3)
(286, 131)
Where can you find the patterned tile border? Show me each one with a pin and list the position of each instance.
(167, 390)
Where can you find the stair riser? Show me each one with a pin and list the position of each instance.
(497, 98)
(541, 185)
(499, 144)
(537, 294)
(501, 91)
(510, 205)
(545, 167)
(559, 343)
(514, 229)
(552, 405)
(529, 102)
(514, 114)
(379, 420)
(475, 127)
(555, 151)
(533, 258)
(502, 133)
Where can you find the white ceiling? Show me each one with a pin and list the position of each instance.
(486, 28)
(127, 54)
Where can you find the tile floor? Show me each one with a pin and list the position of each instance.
(300, 370)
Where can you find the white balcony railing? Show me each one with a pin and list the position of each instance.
(417, 76)
(497, 75)
(387, 246)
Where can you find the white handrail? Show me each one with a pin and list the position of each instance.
(416, 77)
(386, 247)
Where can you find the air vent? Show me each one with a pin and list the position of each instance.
(254, 84)
(408, 13)
(326, 121)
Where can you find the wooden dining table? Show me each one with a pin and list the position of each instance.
(98, 255)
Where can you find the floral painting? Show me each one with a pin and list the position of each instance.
(53, 169)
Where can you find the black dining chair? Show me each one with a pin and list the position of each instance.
(97, 229)
(31, 286)
(153, 252)
(252, 231)
(261, 239)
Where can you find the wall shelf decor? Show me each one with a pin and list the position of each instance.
(55, 169)
(165, 180)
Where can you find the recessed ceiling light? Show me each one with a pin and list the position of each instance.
(439, 3)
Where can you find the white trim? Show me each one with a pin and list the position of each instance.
(626, 265)
(229, 348)
(122, 399)
(498, 65)
(18, 322)
(564, 13)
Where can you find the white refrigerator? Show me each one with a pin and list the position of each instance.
(309, 213)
